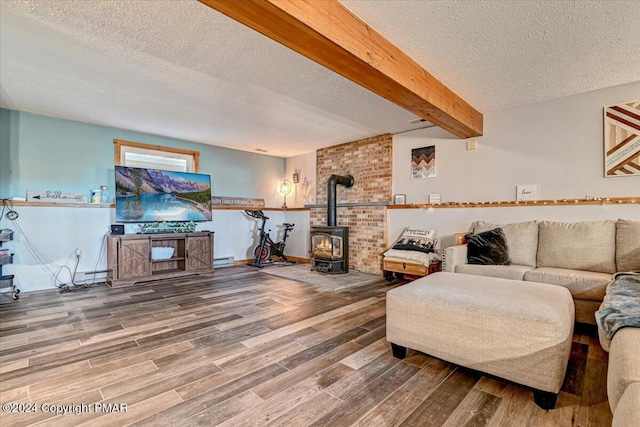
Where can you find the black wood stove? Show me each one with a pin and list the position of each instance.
(330, 244)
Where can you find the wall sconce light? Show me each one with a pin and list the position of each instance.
(285, 190)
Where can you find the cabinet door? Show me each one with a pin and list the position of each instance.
(134, 259)
(199, 252)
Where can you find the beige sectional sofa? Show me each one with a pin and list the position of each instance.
(623, 377)
(580, 256)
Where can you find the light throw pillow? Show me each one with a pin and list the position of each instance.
(589, 245)
(522, 239)
(627, 245)
(488, 248)
(414, 239)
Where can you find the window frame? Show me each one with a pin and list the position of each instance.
(119, 143)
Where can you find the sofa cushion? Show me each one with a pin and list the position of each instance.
(488, 248)
(586, 311)
(522, 239)
(627, 413)
(589, 246)
(513, 272)
(585, 285)
(627, 245)
(624, 364)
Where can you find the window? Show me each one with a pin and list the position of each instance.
(139, 155)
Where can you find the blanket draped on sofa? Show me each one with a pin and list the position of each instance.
(621, 306)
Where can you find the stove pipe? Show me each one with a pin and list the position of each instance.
(347, 181)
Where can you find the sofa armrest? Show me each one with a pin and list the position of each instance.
(454, 255)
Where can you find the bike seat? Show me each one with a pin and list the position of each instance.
(287, 225)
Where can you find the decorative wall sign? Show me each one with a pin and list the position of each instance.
(622, 139)
(423, 162)
(236, 201)
(308, 192)
(53, 196)
(400, 199)
(435, 198)
(526, 192)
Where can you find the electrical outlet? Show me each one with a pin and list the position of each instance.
(472, 144)
(78, 252)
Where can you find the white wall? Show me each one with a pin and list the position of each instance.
(557, 145)
(450, 221)
(237, 234)
(57, 231)
(306, 165)
(298, 241)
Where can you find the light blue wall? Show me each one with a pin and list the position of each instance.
(44, 153)
(8, 147)
(4, 151)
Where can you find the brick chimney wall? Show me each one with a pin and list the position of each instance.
(369, 161)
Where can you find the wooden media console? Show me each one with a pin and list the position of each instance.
(130, 260)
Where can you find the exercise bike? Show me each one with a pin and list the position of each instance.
(266, 249)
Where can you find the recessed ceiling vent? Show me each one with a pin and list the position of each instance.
(416, 121)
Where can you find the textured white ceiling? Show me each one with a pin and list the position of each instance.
(180, 69)
(506, 53)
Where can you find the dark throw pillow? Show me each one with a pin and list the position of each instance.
(488, 248)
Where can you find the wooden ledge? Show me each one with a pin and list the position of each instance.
(262, 208)
(16, 203)
(448, 205)
(512, 204)
(60, 205)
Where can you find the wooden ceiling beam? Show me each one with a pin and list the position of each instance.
(330, 34)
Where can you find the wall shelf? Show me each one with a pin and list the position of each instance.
(447, 205)
(60, 205)
(112, 205)
(512, 204)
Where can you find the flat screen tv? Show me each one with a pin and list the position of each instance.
(152, 195)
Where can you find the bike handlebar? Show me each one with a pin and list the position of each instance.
(258, 214)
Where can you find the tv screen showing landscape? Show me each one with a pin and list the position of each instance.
(152, 195)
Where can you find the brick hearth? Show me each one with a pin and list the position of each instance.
(369, 161)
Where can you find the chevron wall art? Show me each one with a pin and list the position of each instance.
(423, 162)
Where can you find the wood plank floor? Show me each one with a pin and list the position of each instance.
(242, 348)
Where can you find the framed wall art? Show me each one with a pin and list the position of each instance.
(622, 139)
(423, 162)
(400, 199)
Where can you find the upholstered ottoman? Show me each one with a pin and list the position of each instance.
(519, 331)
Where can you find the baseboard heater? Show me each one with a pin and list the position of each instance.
(223, 262)
(85, 277)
